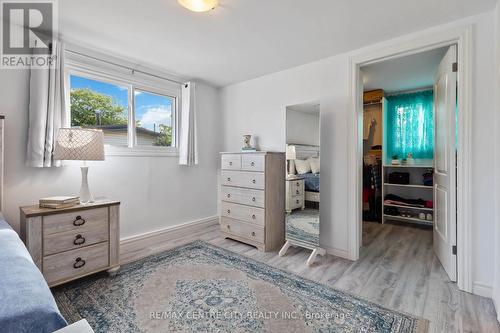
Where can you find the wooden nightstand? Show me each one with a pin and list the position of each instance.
(73, 242)
(294, 190)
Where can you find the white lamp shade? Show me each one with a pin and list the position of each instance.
(290, 153)
(199, 5)
(79, 144)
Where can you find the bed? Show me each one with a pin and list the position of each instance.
(26, 303)
(311, 180)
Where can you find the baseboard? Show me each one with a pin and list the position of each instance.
(139, 246)
(482, 289)
(336, 252)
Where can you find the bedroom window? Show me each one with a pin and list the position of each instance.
(138, 116)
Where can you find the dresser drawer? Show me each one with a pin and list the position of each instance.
(242, 229)
(75, 220)
(253, 162)
(231, 161)
(248, 214)
(69, 240)
(74, 263)
(243, 196)
(244, 179)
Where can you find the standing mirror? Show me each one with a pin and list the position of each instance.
(303, 178)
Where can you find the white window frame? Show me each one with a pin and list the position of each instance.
(96, 71)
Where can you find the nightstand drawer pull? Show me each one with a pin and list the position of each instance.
(297, 201)
(79, 240)
(298, 192)
(78, 221)
(79, 263)
(298, 184)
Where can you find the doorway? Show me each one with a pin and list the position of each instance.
(452, 191)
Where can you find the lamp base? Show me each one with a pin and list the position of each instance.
(85, 195)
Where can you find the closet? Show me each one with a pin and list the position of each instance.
(398, 156)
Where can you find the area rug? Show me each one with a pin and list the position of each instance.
(199, 287)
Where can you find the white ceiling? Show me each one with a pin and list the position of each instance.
(244, 39)
(410, 72)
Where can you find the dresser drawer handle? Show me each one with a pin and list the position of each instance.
(79, 240)
(229, 211)
(228, 179)
(79, 263)
(253, 199)
(254, 181)
(230, 163)
(253, 216)
(253, 233)
(228, 226)
(78, 221)
(252, 164)
(229, 195)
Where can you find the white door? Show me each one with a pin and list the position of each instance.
(445, 100)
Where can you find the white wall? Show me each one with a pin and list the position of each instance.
(302, 127)
(155, 191)
(258, 106)
(496, 290)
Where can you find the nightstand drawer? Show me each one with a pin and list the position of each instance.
(75, 239)
(248, 214)
(74, 221)
(296, 202)
(296, 191)
(75, 263)
(242, 229)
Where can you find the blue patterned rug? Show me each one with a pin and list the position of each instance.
(202, 288)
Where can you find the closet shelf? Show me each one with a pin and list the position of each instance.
(409, 185)
(409, 166)
(408, 219)
(409, 207)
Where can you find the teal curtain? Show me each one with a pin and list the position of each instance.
(410, 125)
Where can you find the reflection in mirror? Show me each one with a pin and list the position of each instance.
(303, 178)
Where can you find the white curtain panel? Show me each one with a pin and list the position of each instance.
(188, 139)
(47, 114)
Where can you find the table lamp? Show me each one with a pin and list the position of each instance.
(81, 145)
(291, 155)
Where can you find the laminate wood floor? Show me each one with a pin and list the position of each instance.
(397, 269)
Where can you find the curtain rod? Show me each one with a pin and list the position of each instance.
(133, 70)
(409, 91)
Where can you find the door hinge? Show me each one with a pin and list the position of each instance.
(454, 250)
(454, 67)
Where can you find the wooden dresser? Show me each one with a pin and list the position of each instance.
(253, 198)
(70, 243)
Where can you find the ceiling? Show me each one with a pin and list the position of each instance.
(405, 73)
(244, 39)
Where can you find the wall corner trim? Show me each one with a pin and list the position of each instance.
(142, 245)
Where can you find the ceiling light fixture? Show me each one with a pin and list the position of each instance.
(199, 5)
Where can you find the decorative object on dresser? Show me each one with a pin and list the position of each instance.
(70, 243)
(294, 190)
(253, 200)
(82, 145)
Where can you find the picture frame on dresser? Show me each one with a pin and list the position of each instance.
(252, 198)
